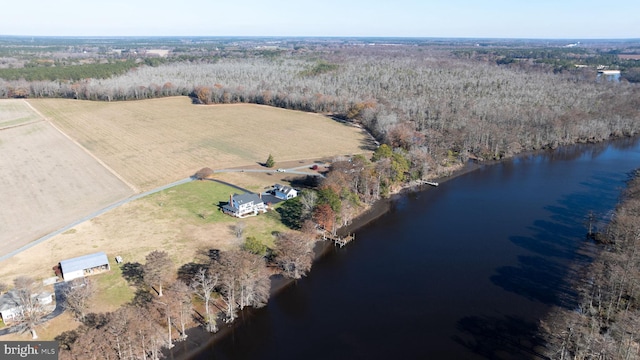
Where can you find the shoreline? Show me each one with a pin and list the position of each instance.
(200, 340)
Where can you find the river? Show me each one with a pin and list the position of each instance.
(461, 271)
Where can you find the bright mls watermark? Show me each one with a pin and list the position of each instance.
(36, 350)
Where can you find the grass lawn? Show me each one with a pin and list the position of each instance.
(197, 203)
(112, 292)
(15, 112)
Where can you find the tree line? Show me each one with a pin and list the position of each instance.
(605, 323)
(169, 300)
(408, 97)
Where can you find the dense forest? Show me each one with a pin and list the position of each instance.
(432, 106)
(446, 104)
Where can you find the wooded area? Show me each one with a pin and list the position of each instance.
(443, 103)
(605, 323)
(431, 108)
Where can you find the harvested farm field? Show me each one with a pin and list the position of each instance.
(47, 180)
(14, 112)
(154, 142)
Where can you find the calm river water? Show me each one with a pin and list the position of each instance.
(461, 271)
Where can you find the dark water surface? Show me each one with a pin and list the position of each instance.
(462, 271)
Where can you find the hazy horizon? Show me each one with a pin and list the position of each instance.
(493, 19)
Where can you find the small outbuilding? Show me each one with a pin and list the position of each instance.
(84, 265)
(10, 307)
(284, 192)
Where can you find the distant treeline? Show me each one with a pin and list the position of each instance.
(423, 101)
(68, 73)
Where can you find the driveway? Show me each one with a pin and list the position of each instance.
(58, 289)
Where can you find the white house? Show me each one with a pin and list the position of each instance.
(84, 265)
(284, 192)
(244, 205)
(11, 308)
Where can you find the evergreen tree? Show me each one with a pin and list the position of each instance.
(270, 162)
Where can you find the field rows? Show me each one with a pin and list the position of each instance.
(47, 182)
(16, 112)
(155, 142)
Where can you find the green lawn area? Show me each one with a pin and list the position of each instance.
(194, 203)
(112, 290)
(196, 200)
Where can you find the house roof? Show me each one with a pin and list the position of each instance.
(284, 188)
(84, 262)
(9, 301)
(229, 208)
(246, 198)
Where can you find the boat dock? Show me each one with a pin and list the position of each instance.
(337, 240)
(425, 182)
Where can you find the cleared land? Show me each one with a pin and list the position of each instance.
(183, 221)
(15, 112)
(46, 181)
(150, 143)
(154, 142)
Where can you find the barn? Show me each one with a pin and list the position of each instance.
(84, 265)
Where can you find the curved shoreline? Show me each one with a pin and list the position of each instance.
(200, 340)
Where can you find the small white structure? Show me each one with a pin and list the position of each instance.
(244, 205)
(284, 192)
(84, 265)
(11, 308)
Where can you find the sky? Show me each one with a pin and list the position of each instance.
(548, 19)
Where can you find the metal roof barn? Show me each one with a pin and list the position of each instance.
(83, 265)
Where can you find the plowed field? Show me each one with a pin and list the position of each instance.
(46, 180)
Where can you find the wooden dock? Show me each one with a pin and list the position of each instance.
(337, 240)
(425, 182)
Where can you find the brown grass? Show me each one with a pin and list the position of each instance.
(154, 142)
(15, 112)
(148, 143)
(157, 222)
(47, 182)
(46, 331)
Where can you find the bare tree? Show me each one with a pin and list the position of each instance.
(180, 296)
(308, 200)
(239, 228)
(158, 270)
(77, 295)
(203, 285)
(28, 290)
(244, 281)
(294, 254)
